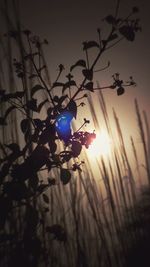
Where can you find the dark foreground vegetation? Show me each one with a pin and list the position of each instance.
(53, 212)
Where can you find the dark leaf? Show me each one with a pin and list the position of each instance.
(38, 123)
(113, 37)
(16, 190)
(76, 148)
(90, 44)
(32, 164)
(32, 105)
(76, 166)
(19, 94)
(68, 85)
(51, 181)
(120, 91)
(56, 98)
(33, 182)
(47, 135)
(88, 74)
(14, 147)
(110, 19)
(52, 147)
(57, 84)
(25, 124)
(65, 176)
(45, 198)
(127, 32)
(61, 67)
(38, 157)
(4, 171)
(58, 232)
(36, 88)
(72, 107)
(89, 86)
(7, 97)
(66, 155)
(79, 63)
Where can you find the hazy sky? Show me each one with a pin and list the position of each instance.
(67, 23)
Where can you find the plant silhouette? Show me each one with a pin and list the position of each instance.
(22, 165)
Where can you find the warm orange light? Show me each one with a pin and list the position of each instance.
(101, 145)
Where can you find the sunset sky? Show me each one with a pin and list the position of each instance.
(67, 23)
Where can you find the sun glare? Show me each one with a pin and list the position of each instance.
(101, 145)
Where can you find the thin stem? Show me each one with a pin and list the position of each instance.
(39, 74)
(117, 8)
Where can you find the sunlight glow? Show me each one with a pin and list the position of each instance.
(101, 146)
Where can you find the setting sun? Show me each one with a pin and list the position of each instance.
(101, 146)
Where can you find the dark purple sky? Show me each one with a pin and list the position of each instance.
(67, 23)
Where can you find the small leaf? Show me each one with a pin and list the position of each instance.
(113, 37)
(88, 74)
(14, 147)
(90, 44)
(72, 107)
(65, 176)
(45, 198)
(52, 146)
(47, 135)
(38, 123)
(32, 105)
(16, 190)
(33, 182)
(36, 88)
(56, 98)
(76, 148)
(110, 19)
(19, 94)
(120, 91)
(57, 84)
(79, 63)
(89, 86)
(6, 97)
(25, 124)
(4, 171)
(127, 32)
